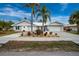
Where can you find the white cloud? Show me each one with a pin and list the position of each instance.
(64, 6)
(21, 14)
(13, 12)
(62, 19)
(8, 9)
(8, 5)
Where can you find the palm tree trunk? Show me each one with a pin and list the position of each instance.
(78, 28)
(32, 23)
(43, 25)
(31, 26)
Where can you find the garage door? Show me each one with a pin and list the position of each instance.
(55, 28)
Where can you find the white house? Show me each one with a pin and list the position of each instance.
(23, 25)
(26, 26)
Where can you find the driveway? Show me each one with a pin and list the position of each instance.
(69, 36)
(64, 36)
(4, 39)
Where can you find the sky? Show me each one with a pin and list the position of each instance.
(16, 11)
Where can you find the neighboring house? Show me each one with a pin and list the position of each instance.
(26, 26)
(73, 27)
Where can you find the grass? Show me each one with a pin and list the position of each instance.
(3, 33)
(73, 32)
(40, 46)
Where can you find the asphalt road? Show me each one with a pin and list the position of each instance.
(41, 53)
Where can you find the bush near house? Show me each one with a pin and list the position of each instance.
(29, 33)
(5, 25)
(39, 32)
(5, 28)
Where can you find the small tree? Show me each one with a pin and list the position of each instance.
(5, 24)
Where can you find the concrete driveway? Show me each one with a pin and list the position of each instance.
(64, 36)
(69, 36)
(4, 39)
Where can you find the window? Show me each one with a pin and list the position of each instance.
(24, 26)
(17, 27)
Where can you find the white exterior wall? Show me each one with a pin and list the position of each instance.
(50, 28)
(13, 28)
(34, 28)
(55, 28)
(26, 28)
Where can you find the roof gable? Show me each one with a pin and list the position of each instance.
(56, 23)
(26, 23)
(22, 23)
(71, 25)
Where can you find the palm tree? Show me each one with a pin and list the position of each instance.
(32, 5)
(74, 19)
(45, 15)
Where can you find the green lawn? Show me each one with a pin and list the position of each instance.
(73, 32)
(40, 46)
(2, 33)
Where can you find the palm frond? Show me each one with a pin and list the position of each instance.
(74, 18)
(38, 15)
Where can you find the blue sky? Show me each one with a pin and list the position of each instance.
(16, 11)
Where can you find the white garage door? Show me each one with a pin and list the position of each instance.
(58, 28)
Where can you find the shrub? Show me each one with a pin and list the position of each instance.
(22, 34)
(34, 34)
(23, 30)
(29, 33)
(56, 34)
(0, 29)
(50, 33)
(45, 34)
(39, 32)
